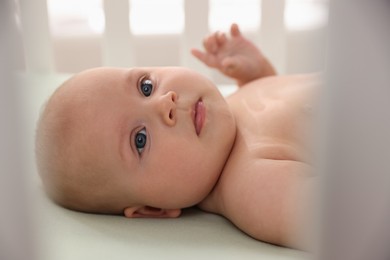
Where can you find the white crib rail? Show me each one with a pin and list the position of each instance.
(195, 30)
(36, 36)
(118, 43)
(118, 46)
(273, 33)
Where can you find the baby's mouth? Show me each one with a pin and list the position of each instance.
(199, 115)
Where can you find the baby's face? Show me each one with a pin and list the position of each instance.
(164, 133)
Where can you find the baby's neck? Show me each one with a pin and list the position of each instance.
(213, 201)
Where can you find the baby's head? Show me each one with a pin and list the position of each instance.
(138, 142)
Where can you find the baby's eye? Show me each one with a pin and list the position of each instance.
(140, 140)
(146, 87)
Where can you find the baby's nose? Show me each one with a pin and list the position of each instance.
(167, 108)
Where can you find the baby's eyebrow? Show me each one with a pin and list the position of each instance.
(129, 75)
(131, 78)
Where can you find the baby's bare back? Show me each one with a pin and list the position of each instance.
(261, 185)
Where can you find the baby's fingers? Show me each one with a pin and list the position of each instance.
(230, 66)
(208, 59)
(234, 30)
(221, 39)
(210, 43)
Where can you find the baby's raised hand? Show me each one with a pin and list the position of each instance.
(234, 56)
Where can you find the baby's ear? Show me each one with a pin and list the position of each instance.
(150, 212)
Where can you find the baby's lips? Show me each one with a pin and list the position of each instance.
(200, 114)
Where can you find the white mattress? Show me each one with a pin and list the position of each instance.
(65, 234)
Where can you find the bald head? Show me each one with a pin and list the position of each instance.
(87, 149)
(70, 169)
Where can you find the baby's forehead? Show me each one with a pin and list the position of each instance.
(94, 87)
(88, 82)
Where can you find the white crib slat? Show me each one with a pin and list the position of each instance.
(118, 47)
(196, 28)
(273, 33)
(36, 36)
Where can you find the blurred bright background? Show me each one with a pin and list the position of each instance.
(74, 17)
(59, 37)
(293, 38)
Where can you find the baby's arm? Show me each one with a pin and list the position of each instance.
(236, 56)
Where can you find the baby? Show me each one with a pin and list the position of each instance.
(148, 142)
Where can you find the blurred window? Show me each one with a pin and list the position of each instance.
(223, 13)
(157, 16)
(305, 14)
(75, 17)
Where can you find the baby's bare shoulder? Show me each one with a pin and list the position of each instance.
(245, 176)
(259, 197)
(269, 86)
(277, 80)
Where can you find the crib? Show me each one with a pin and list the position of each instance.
(291, 51)
(66, 234)
(355, 133)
